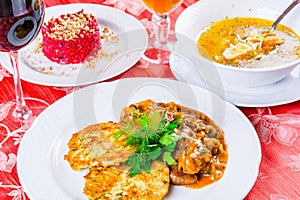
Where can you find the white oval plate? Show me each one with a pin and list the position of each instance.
(133, 42)
(187, 26)
(282, 92)
(43, 172)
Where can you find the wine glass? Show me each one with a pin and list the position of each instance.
(159, 52)
(20, 22)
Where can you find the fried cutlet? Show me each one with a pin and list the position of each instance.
(114, 183)
(95, 145)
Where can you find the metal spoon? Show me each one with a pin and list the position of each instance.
(285, 12)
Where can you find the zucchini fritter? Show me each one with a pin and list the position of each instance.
(114, 183)
(95, 145)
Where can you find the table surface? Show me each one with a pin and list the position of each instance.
(277, 127)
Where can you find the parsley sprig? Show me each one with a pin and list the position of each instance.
(152, 136)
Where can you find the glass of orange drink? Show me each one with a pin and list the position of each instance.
(158, 52)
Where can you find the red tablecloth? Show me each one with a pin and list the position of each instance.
(277, 127)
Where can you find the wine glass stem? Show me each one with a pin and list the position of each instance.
(161, 27)
(21, 112)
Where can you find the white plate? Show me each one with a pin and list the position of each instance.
(44, 174)
(282, 92)
(133, 42)
(183, 62)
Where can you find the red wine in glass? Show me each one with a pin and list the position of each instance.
(20, 22)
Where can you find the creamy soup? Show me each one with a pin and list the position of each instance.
(248, 43)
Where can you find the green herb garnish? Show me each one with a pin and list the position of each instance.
(153, 136)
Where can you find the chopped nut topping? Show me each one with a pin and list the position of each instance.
(71, 26)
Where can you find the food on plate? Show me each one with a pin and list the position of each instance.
(95, 145)
(71, 38)
(148, 128)
(249, 43)
(201, 154)
(166, 143)
(115, 183)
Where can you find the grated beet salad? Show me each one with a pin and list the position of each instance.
(71, 38)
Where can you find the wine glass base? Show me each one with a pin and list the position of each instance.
(30, 111)
(22, 114)
(157, 56)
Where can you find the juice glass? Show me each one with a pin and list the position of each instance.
(158, 52)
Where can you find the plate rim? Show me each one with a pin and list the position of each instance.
(30, 75)
(30, 132)
(229, 91)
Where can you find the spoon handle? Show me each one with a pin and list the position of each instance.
(287, 10)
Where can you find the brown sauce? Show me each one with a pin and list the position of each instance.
(203, 180)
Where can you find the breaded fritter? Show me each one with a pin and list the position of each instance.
(114, 183)
(95, 145)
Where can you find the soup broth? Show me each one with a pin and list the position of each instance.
(248, 43)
